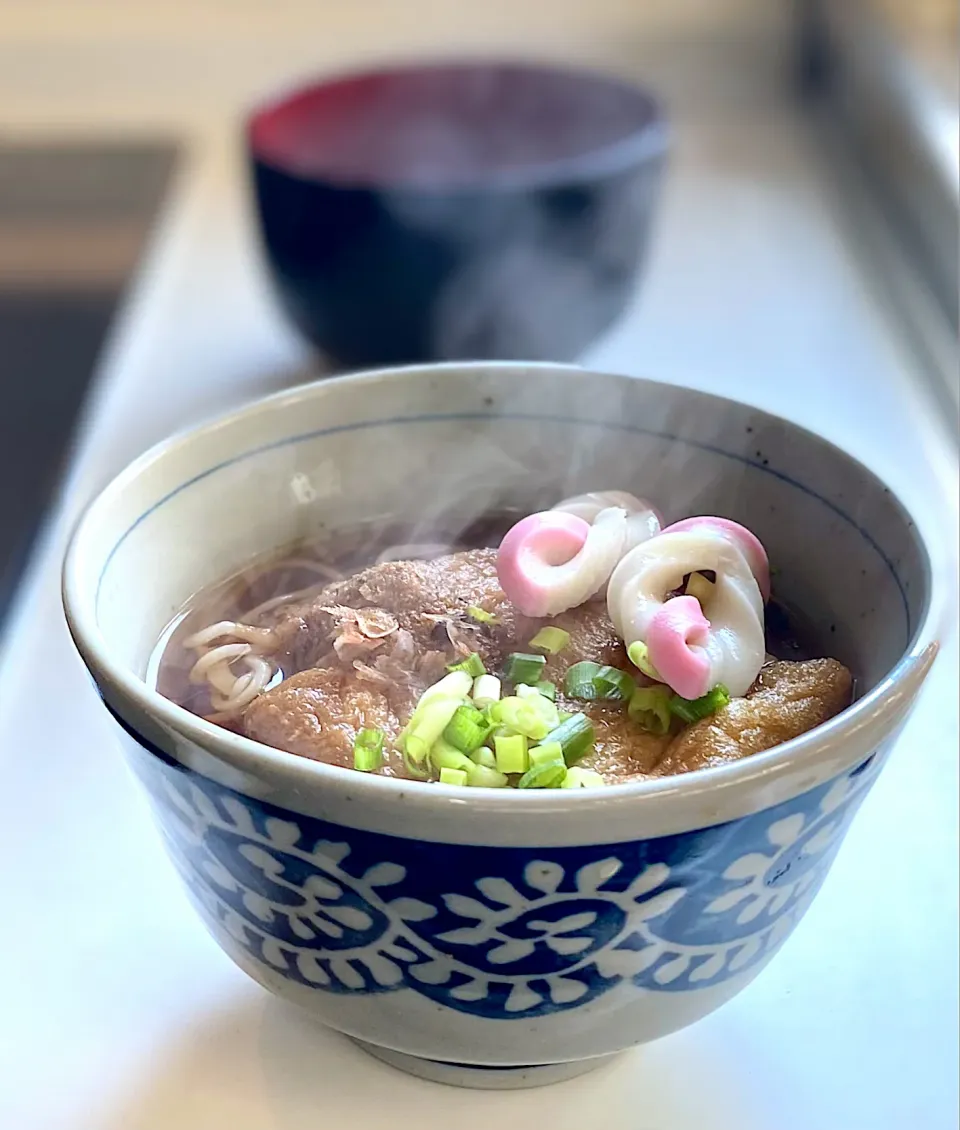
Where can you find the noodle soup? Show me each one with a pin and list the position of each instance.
(330, 650)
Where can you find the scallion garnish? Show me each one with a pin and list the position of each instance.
(486, 690)
(590, 681)
(577, 778)
(547, 689)
(551, 640)
(546, 753)
(456, 685)
(579, 681)
(484, 756)
(429, 721)
(638, 655)
(547, 775)
(544, 706)
(695, 709)
(523, 668)
(613, 684)
(416, 769)
(467, 730)
(575, 735)
(523, 715)
(453, 777)
(483, 777)
(475, 612)
(472, 665)
(445, 756)
(368, 750)
(650, 708)
(511, 754)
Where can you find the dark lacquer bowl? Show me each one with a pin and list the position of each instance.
(458, 211)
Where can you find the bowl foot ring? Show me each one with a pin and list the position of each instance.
(484, 1078)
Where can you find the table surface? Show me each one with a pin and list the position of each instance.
(117, 1012)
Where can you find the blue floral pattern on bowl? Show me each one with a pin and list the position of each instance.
(499, 932)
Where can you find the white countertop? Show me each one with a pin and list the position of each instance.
(117, 1012)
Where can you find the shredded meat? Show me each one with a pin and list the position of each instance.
(421, 597)
(368, 646)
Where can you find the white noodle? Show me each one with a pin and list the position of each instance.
(225, 654)
(225, 629)
(222, 679)
(244, 688)
(231, 693)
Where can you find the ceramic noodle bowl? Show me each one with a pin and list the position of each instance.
(493, 937)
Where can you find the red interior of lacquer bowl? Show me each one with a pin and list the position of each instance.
(442, 126)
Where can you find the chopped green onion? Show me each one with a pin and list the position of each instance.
(548, 775)
(368, 750)
(547, 753)
(576, 737)
(445, 756)
(551, 640)
(473, 665)
(522, 668)
(639, 657)
(484, 756)
(483, 777)
(577, 778)
(486, 690)
(549, 713)
(522, 715)
(564, 714)
(455, 685)
(481, 615)
(613, 684)
(650, 708)
(415, 769)
(579, 681)
(698, 586)
(453, 777)
(467, 730)
(694, 709)
(511, 755)
(547, 689)
(544, 706)
(429, 721)
(590, 681)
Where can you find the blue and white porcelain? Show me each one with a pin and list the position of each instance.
(498, 938)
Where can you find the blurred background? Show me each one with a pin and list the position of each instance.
(127, 195)
(786, 235)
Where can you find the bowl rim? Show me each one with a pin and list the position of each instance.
(648, 141)
(248, 756)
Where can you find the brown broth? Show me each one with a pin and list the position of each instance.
(312, 563)
(289, 570)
